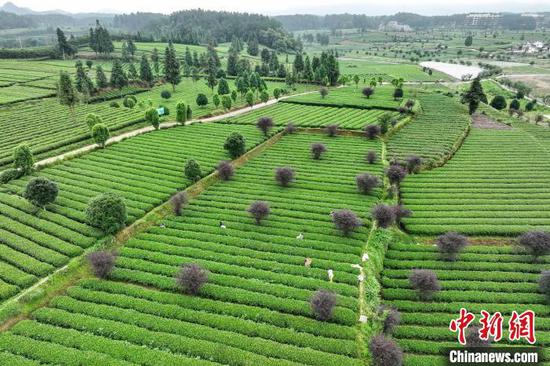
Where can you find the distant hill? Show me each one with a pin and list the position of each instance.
(12, 8)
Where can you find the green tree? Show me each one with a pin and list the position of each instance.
(63, 45)
(145, 72)
(131, 48)
(253, 47)
(202, 100)
(66, 93)
(171, 66)
(498, 102)
(232, 63)
(514, 104)
(192, 170)
(152, 116)
(468, 41)
(118, 77)
(211, 74)
(155, 61)
(82, 81)
(235, 144)
(41, 191)
(23, 159)
(264, 96)
(189, 113)
(132, 72)
(100, 134)
(223, 87)
(100, 78)
(474, 96)
(234, 95)
(250, 98)
(397, 93)
(93, 119)
(299, 63)
(107, 212)
(226, 102)
(356, 80)
(216, 100)
(276, 93)
(181, 112)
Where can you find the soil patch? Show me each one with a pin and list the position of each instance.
(482, 121)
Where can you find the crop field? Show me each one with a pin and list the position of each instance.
(498, 183)
(48, 127)
(33, 245)
(435, 134)
(17, 93)
(388, 71)
(312, 116)
(254, 310)
(491, 278)
(352, 96)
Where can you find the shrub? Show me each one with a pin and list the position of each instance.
(259, 211)
(23, 159)
(400, 212)
(41, 191)
(498, 102)
(225, 170)
(368, 91)
(189, 113)
(9, 175)
(249, 97)
(323, 91)
(202, 100)
(331, 130)
(384, 215)
(290, 128)
(392, 320)
(265, 124)
(276, 93)
(284, 176)
(152, 116)
(226, 102)
(530, 106)
(536, 242)
(384, 352)
(235, 144)
(450, 244)
(425, 282)
(216, 100)
(473, 340)
(181, 112)
(322, 304)
(371, 157)
(191, 278)
(396, 173)
(317, 149)
(514, 104)
(544, 284)
(366, 182)
(414, 162)
(107, 212)
(346, 221)
(178, 201)
(409, 103)
(129, 101)
(165, 94)
(100, 134)
(114, 105)
(372, 131)
(102, 263)
(192, 170)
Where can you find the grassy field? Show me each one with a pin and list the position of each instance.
(491, 278)
(435, 134)
(144, 170)
(496, 184)
(254, 309)
(312, 116)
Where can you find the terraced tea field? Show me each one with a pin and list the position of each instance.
(491, 278)
(254, 309)
(498, 183)
(313, 116)
(149, 169)
(435, 134)
(15, 93)
(352, 96)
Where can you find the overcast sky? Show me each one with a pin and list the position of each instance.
(270, 7)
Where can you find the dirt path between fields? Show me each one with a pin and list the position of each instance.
(164, 125)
